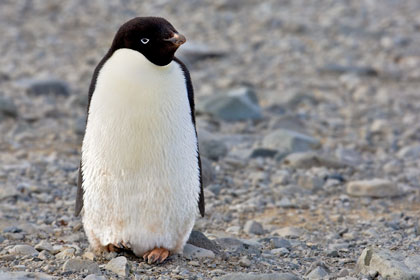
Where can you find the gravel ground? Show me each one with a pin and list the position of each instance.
(311, 162)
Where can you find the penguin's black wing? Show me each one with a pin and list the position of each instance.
(201, 205)
(79, 195)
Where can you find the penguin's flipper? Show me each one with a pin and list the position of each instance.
(190, 90)
(79, 195)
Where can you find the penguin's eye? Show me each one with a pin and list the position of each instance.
(144, 41)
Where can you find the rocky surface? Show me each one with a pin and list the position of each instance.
(308, 115)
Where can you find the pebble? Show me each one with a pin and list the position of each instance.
(192, 252)
(409, 152)
(8, 107)
(118, 265)
(289, 141)
(373, 188)
(78, 265)
(23, 250)
(253, 276)
(235, 105)
(244, 262)
(44, 245)
(253, 227)
(307, 160)
(66, 253)
(389, 264)
(212, 149)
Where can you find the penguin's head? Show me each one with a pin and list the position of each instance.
(154, 37)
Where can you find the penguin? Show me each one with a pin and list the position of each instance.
(140, 183)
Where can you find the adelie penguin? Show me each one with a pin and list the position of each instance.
(140, 181)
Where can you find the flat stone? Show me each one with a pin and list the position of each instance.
(318, 273)
(235, 105)
(293, 232)
(94, 277)
(307, 160)
(373, 188)
(198, 239)
(277, 242)
(47, 86)
(410, 152)
(290, 141)
(4, 275)
(253, 227)
(44, 245)
(118, 265)
(192, 252)
(345, 69)
(67, 253)
(389, 264)
(263, 152)
(192, 52)
(23, 250)
(78, 265)
(265, 276)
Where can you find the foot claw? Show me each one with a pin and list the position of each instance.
(157, 255)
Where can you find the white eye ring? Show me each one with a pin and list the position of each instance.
(144, 41)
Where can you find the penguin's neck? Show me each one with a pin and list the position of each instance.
(128, 78)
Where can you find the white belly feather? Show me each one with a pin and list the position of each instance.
(139, 156)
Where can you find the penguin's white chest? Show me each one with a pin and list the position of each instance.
(139, 156)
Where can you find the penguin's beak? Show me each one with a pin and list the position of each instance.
(177, 39)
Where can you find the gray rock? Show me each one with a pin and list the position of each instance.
(410, 152)
(212, 148)
(290, 141)
(47, 86)
(198, 239)
(374, 188)
(192, 52)
(293, 232)
(94, 277)
(266, 276)
(348, 69)
(8, 107)
(318, 273)
(310, 159)
(253, 227)
(192, 252)
(207, 171)
(25, 276)
(263, 152)
(78, 265)
(44, 245)
(236, 105)
(118, 265)
(310, 182)
(244, 262)
(23, 250)
(390, 265)
(277, 242)
(66, 253)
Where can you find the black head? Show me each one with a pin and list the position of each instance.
(154, 37)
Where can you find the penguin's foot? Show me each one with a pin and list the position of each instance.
(157, 255)
(121, 246)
